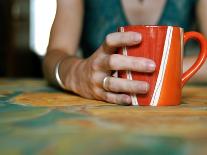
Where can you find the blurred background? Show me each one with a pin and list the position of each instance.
(24, 34)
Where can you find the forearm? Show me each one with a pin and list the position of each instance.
(67, 68)
(201, 75)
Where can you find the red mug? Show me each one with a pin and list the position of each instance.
(164, 45)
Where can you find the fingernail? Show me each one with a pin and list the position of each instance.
(147, 87)
(137, 37)
(151, 67)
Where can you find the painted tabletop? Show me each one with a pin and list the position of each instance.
(38, 119)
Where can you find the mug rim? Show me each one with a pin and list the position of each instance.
(152, 26)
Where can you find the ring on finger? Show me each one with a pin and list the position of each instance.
(105, 83)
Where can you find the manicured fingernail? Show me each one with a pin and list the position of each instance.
(137, 37)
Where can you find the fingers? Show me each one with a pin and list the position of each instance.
(119, 85)
(121, 99)
(121, 62)
(119, 39)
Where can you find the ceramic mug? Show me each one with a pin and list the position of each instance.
(164, 45)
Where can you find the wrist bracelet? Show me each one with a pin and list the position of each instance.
(57, 76)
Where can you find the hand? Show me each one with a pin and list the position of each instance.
(90, 73)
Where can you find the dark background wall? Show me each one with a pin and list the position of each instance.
(16, 58)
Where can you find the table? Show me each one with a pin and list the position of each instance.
(38, 119)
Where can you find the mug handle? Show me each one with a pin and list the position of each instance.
(201, 57)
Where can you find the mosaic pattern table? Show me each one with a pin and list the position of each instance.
(38, 119)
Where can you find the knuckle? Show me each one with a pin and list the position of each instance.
(108, 39)
(135, 64)
(108, 98)
(95, 91)
(123, 38)
(95, 65)
(111, 60)
(120, 99)
(93, 79)
(101, 95)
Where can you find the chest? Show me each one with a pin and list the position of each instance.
(147, 12)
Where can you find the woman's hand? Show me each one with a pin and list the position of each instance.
(89, 74)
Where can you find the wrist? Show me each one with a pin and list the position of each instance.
(68, 70)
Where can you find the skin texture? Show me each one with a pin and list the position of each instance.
(85, 76)
(139, 12)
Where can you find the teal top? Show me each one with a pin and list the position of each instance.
(103, 17)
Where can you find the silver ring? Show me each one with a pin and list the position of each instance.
(105, 80)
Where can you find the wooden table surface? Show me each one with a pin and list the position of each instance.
(38, 119)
